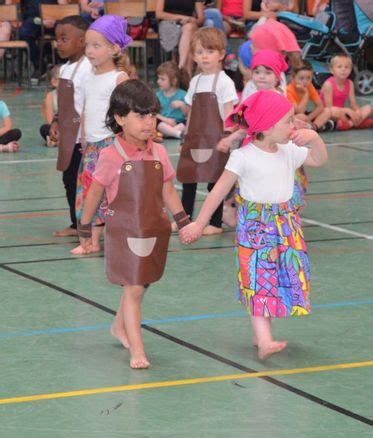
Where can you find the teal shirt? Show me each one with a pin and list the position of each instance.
(166, 109)
(4, 111)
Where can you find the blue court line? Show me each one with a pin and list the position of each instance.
(176, 319)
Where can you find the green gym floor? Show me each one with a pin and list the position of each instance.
(63, 375)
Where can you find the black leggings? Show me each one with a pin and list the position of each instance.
(11, 135)
(188, 197)
(69, 178)
(44, 131)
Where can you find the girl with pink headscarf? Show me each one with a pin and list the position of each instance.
(271, 255)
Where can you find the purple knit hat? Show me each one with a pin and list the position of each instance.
(114, 29)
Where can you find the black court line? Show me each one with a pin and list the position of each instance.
(226, 231)
(200, 350)
(341, 179)
(370, 151)
(339, 193)
(177, 251)
(34, 211)
(32, 199)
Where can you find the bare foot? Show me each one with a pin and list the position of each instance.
(174, 228)
(139, 361)
(210, 230)
(265, 351)
(13, 146)
(68, 231)
(80, 251)
(230, 216)
(121, 335)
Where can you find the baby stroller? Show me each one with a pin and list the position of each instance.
(346, 26)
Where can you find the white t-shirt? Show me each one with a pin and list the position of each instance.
(98, 89)
(225, 89)
(266, 177)
(66, 72)
(250, 88)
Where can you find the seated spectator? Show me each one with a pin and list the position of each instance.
(178, 22)
(50, 106)
(5, 30)
(8, 137)
(91, 10)
(213, 17)
(280, 5)
(30, 30)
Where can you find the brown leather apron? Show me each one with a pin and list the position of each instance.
(199, 160)
(137, 228)
(68, 120)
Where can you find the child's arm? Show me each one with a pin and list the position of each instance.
(91, 204)
(48, 107)
(179, 104)
(224, 184)
(171, 198)
(317, 154)
(168, 120)
(7, 125)
(352, 97)
(225, 144)
(327, 91)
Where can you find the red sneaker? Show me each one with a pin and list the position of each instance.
(343, 126)
(365, 124)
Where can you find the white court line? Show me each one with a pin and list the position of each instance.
(345, 143)
(41, 160)
(339, 229)
(313, 222)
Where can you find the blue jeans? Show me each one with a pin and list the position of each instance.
(213, 18)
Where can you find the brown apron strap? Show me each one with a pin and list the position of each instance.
(76, 68)
(215, 82)
(213, 85)
(120, 150)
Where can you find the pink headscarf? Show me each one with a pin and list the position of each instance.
(274, 35)
(271, 59)
(261, 111)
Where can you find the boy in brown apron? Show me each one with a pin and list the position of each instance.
(136, 175)
(211, 96)
(65, 127)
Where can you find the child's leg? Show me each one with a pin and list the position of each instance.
(322, 118)
(132, 299)
(188, 197)
(117, 328)
(169, 131)
(263, 337)
(216, 221)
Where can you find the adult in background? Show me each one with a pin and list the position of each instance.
(30, 29)
(179, 20)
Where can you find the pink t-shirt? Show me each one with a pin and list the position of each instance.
(109, 163)
(232, 8)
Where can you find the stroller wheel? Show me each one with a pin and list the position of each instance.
(364, 82)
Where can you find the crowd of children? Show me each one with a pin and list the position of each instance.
(119, 179)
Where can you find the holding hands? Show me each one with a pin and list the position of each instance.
(190, 233)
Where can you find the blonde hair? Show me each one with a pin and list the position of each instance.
(340, 55)
(209, 38)
(53, 73)
(122, 62)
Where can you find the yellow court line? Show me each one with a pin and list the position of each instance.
(173, 383)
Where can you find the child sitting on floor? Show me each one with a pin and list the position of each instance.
(8, 137)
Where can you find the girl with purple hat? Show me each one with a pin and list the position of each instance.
(106, 41)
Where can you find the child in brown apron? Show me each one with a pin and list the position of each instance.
(211, 96)
(136, 175)
(65, 127)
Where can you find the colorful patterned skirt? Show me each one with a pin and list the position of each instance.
(272, 262)
(86, 170)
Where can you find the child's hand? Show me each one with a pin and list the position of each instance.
(224, 144)
(176, 104)
(171, 122)
(53, 131)
(302, 137)
(301, 88)
(190, 233)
